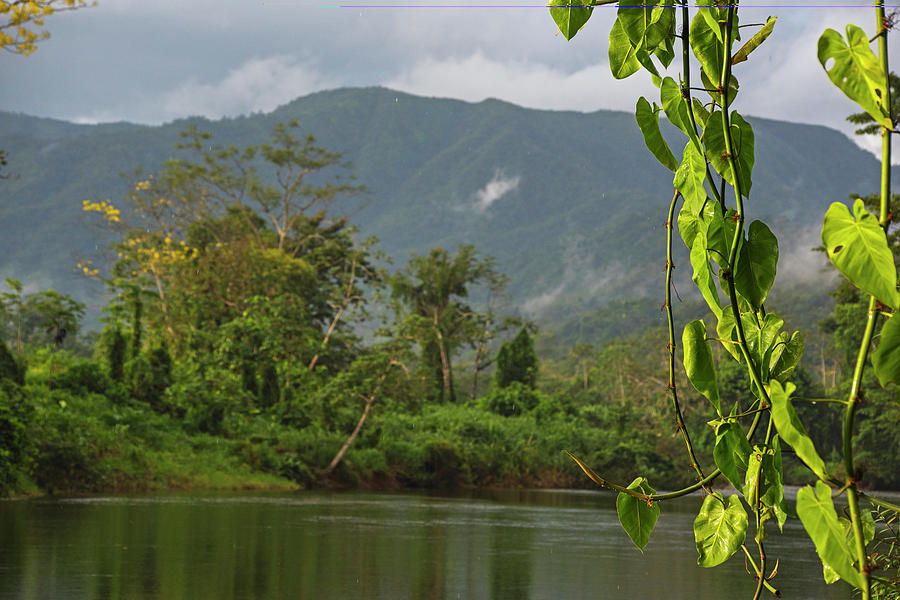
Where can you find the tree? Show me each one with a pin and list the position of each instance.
(432, 289)
(20, 29)
(39, 318)
(517, 361)
(226, 230)
(21, 22)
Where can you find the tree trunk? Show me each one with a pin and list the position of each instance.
(362, 419)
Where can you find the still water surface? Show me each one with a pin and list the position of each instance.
(493, 545)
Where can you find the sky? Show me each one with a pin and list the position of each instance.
(152, 61)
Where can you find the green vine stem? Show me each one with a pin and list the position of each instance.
(871, 321)
(686, 93)
(679, 419)
(656, 497)
(739, 229)
(760, 573)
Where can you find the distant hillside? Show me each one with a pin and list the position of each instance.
(574, 214)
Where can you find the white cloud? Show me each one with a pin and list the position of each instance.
(798, 262)
(258, 85)
(527, 83)
(496, 188)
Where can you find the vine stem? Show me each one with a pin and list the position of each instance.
(755, 375)
(679, 419)
(871, 320)
(686, 92)
(760, 573)
(656, 497)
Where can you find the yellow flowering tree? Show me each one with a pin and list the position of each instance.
(221, 236)
(22, 22)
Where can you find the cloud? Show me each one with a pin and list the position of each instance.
(798, 262)
(497, 187)
(523, 82)
(258, 85)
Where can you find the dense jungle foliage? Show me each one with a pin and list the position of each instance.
(253, 340)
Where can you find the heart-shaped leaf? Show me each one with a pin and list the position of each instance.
(638, 518)
(756, 264)
(570, 15)
(731, 452)
(742, 147)
(859, 250)
(787, 357)
(855, 70)
(886, 358)
(719, 529)
(622, 55)
(816, 511)
(698, 362)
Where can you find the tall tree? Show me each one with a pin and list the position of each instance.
(433, 289)
(517, 361)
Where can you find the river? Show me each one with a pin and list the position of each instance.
(492, 545)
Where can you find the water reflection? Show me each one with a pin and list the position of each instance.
(500, 545)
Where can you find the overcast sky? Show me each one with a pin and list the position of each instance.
(151, 61)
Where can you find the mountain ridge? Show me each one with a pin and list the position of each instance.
(570, 228)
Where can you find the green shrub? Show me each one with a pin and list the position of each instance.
(81, 377)
(10, 368)
(515, 399)
(15, 416)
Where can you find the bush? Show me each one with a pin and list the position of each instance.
(515, 399)
(81, 377)
(10, 368)
(15, 415)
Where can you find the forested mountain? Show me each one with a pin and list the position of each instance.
(570, 204)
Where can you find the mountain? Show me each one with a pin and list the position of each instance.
(571, 204)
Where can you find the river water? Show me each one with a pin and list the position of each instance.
(500, 545)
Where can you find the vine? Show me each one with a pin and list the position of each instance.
(713, 180)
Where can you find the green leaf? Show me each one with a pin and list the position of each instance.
(791, 429)
(742, 146)
(622, 59)
(784, 360)
(703, 275)
(570, 15)
(701, 115)
(816, 511)
(698, 362)
(707, 46)
(636, 19)
(859, 250)
(710, 15)
(720, 234)
(886, 358)
(762, 338)
(731, 452)
(647, 118)
(754, 42)
(689, 178)
(719, 529)
(643, 57)
(676, 109)
(868, 525)
(756, 264)
(638, 518)
(855, 70)
(726, 329)
(764, 477)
